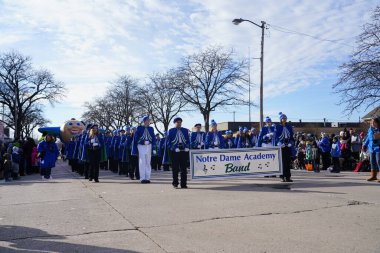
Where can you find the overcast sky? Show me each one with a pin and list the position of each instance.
(87, 44)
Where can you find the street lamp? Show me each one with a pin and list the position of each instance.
(237, 21)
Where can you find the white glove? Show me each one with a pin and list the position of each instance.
(202, 143)
(146, 142)
(186, 149)
(177, 150)
(199, 146)
(289, 145)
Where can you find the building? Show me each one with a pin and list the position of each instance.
(375, 113)
(304, 127)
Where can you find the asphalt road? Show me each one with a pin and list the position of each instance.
(317, 213)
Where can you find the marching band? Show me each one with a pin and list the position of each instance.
(133, 151)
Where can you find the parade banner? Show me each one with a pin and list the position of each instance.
(219, 163)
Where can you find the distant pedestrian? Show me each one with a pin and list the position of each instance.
(372, 143)
(15, 163)
(7, 167)
(48, 153)
(356, 144)
(325, 148)
(335, 154)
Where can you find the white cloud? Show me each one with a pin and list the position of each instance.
(89, 43)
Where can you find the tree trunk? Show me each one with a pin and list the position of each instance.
(206, 117)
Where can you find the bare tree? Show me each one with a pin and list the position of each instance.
(212, 79)
(22, 87)
(32, 120)
(100, 112)
(359, 82)
(117, 108)
(161, 99)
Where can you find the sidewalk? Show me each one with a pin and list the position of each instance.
(316, 213)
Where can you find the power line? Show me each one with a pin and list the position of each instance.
(288, 31)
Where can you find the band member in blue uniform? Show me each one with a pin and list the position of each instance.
(107, 143)
(242, 141)
(197, 139)
(70, 153)
(134, 158)
(75, 161)
(284, 138)
(113, 162)
(118, 146)
(156, 165)
(266, 135)
(144, 139)
(125, 151)
(166, 154)
(214, 138)
(253, 137)
(229, 141)
(94, 143)
(178, 142)
(84, 152)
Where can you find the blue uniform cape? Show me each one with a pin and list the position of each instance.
(254, 140)
(107, 143)
(125, 148)
(83, 147)
(115, 147)
(161, 147)
(174, 138)
(166, 159)
(285, 132)
(196, 139)
(263, 138)
(50, 154)
(141, 135)
(229, 143)
(100, 141)
(210, 140)
(242, 141)
(324, 145)
(70, 148)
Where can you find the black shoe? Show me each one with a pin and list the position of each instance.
(86, 178)
(90, 179)
(184, 187)
(289, 180)
(175, 186)
(148, 181)
(132, 178)
(143, 181)
(96, 180)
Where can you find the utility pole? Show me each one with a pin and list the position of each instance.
(234, 115)
(249, 84)
(15, 136)
(262, 75)
(237, 21)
